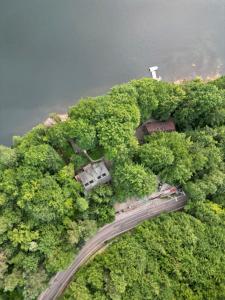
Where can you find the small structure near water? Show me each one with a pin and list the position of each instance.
(93, 175)
(55, 118)
(153, 71)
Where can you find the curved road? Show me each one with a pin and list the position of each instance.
(123, 223)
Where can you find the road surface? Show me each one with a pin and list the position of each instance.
(123, 223)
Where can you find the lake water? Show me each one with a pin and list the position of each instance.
(53, 52)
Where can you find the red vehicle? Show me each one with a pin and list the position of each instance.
(166, 190)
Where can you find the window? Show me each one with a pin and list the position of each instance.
(86, 184)
(99, 177)
(103, 175)
(91, 181)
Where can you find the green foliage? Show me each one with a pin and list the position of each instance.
(169, 155)
(37, 136)
(133, 180)
(43, 200)
(175, 256)
(82, 204)
(209, 166)
(169, 96)
(24, 237)
(34, 284)
(43, 157)
(219, 82)
(101, 202)
(203, 105)
(45, 216)
(146, 99)
(8, 157)
(116, 139)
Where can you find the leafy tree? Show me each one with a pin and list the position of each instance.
(82, 204)
(73, 232)
(13, 280)
(116, 139)
(146, 98)
(8, 157)
(85, 109)
(3, 265)
(219, 82)
(133, 180)
(34, 137)
(9, 185)
(43, 200)
(58, 259)
(56, 136)
(43, 157)
(203, 105)
(169, 155)
(87, 229)
(169, 97)
(101, 202)
(35, 283)
(26, 173)
(23, 236)
(28, 262)
(82, 132)
(155, 157)
(50, 237)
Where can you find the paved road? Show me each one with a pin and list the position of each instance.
(123, 223)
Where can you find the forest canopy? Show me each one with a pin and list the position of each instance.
(46, 216)
(175, 256)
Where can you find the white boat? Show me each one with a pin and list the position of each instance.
(153, 71)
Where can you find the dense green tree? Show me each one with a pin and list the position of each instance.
(8, 157)
(35, 283)
(169, 155)
(58, 259)
(133, 180)
(146, 98)
(43, 157)
(50, 237)
(8, 184)
(28, 262)
(3, 265)
(82, 204)
(203, 105)
(43, 200)
(169, 97)
(101, 202)
(13, 280)
(24, 237)
(81, 131)
(36, 136)
(73, 232)
(116, 139)
(85, 109)
(219, 82)
(87, 228)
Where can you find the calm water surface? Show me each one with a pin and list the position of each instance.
(52, 52)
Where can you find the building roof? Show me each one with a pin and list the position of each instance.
(154, 126)
(93, 175)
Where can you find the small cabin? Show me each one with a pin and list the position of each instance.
(93, 175)
(155, 126)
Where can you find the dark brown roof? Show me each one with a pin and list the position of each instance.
(160, 126)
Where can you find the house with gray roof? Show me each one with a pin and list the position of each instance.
(93, 175)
